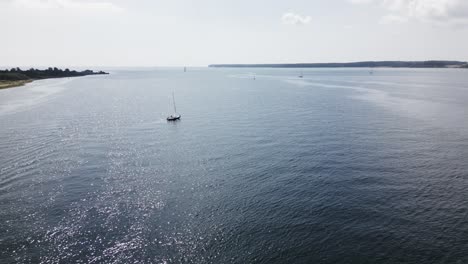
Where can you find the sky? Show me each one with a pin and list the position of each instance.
(200, 32)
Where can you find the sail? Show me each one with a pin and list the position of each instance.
(173, 100)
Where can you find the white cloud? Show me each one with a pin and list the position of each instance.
(392, 19)
(361, 1)
(295, 19)
(435, 11)
(66, 4)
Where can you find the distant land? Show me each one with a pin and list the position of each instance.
(17, 77)
(362, 64)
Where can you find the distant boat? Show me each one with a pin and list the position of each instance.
(301, 75)
(175, 116)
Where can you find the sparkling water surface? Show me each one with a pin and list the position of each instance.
(340, 166)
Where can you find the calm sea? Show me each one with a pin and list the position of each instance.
(341, 166)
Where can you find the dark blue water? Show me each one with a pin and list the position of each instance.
(338, 167)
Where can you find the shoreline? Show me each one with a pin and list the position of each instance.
(12, 84)
(17, 77)
(359, 64)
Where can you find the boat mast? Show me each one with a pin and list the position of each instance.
(173, 100)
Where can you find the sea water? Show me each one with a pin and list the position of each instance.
(341, 166)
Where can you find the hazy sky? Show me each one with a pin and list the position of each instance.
(201, 32)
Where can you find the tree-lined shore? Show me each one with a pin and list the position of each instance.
(17, 77)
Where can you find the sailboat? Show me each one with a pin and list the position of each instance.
(175, 116)
(301, 75)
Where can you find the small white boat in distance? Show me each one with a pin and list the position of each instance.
(175, 116)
